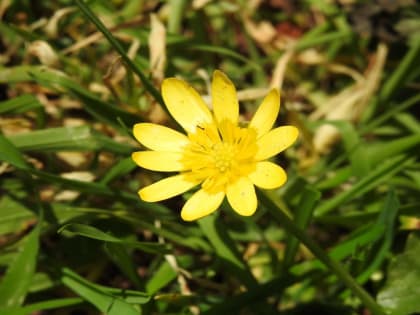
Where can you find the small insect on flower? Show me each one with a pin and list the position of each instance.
(225, 159)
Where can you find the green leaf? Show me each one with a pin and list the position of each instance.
(400, 295)
(67, 139)
(308, 200)
(10, 154)
(225, 248)
(13, 215)
(383, 171)
(94, 233)
(107, 300)
(19, 104)
(16, 282)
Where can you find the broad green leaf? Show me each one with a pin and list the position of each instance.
(107, 300)
(15, 284)
(94, 233)
(400, 295)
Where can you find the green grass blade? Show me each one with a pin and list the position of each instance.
(16, 282)
(10, 154)
(113, 41)
(19, 104)
(104, 301)
(94, 233)
(79, 138)
(225, 249)
(302, 217)
(384, 171)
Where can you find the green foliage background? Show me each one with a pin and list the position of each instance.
(340, 237)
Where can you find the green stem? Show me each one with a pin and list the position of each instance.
(334, 266)
(113, 41)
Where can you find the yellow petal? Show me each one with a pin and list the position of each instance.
(224, 99)
(201, 204)
(159, 138)
(275, 141)
(159, 161)
(241, 196)
(185, 104)
(166, 188)
(266, 114)
(268, 175)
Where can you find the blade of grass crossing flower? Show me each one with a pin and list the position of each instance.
(114, 42)
(332, 264)
(225, 249)
(308, 200)
(15, 284)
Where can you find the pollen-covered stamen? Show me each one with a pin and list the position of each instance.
(223, 155)
(218, 155)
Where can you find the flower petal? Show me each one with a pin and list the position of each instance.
(268, 175)
(266, 114)
(159, 138)
(201, 204)
(166, 188)
(241, 196)
(185, 104)
(224, 99)
(159, 161)
(275, 141)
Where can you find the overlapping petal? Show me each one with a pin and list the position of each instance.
(266, 114)
(275, 141)
(159, 138)
(224, 99)
(167, 188)
(159, 161)
(268, 175)
(241, 196)
(201, 204)
(185, 104)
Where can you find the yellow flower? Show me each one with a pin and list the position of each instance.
(224, 157)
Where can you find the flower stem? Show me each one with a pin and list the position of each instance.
(333, 265)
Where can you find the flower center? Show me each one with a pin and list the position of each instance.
(219, 155)
(223, 155)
